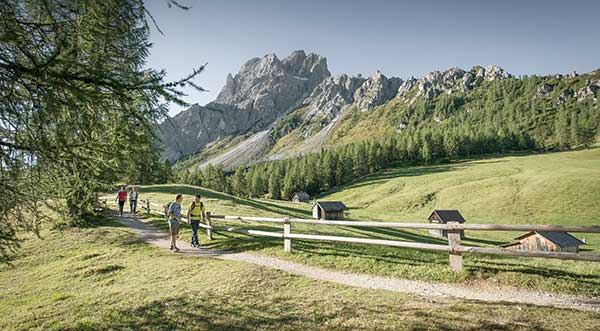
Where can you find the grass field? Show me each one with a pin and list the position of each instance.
(101, 278)
(557, 188)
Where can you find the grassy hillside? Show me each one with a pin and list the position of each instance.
(553, 188)
(558, 188)
(102, 278)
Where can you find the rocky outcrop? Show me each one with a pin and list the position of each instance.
(493, 72)
(331, 96)
(450, 81)
(273, 87)
(589, 91)
(265, 89)
(375, 91)
(335, 94)
(544, 90)
(563, 96)
(198, 126)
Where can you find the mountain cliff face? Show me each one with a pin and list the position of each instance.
(275, 109)
(264, 89)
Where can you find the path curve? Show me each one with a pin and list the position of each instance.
(160, 238)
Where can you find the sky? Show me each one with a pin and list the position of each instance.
(399, 38)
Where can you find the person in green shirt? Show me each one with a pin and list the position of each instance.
(195, 214)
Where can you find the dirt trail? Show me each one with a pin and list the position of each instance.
(152, 235)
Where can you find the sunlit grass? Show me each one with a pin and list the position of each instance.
(102, 278)
(550, 191)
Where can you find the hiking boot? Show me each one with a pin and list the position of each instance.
(171, 247)
(176, 250)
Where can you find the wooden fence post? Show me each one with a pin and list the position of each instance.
(456, 260)
(148, 206)
(209, 229)
(287, 241)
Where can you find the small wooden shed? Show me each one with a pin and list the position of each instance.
(300, 197)
(328, 210)
(442, 217)
(546, 241)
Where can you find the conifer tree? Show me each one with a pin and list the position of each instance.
(238, 183)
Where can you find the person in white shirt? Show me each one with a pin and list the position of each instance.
(133, 197)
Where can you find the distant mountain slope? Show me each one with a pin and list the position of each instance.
(263, 90)
(274, 109)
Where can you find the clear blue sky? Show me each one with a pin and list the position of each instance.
(400, 38)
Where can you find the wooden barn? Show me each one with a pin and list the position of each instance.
(443, 217)
(546, 241)
(300, 197)
(328, 210)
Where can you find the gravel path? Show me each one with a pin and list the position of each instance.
(150, 234)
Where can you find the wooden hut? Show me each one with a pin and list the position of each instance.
(300, 197)
(546, 241)
(328, 210)
(442, 217)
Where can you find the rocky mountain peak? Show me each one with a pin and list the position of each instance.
(331, 96)
(450, 81)
(375, 91)
(261, 81)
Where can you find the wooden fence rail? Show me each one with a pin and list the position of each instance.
(454, 247)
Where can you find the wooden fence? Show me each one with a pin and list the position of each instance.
(454, 248)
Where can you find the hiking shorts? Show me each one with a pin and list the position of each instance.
(173, 227)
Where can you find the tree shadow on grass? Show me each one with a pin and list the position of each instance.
(401, 256)
(243, 243)
(399, 234)
(489, 267)
(257, 204)
(408, 171)
(217, 311)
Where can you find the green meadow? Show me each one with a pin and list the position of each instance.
(553, 188)
(101, 277)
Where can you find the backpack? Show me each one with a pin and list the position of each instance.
(167, 207)
(194, 205)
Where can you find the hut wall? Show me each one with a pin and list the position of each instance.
(569, 249)
(537, 243)
(439, 233)
(315, 212)
(334, 215)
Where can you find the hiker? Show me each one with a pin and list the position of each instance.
(195, 214)
(133, 196)
(174, 215)
(121, 197)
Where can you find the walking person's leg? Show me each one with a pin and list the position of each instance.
(134, 206)
(121, 205)
(195, 225)
(174, 229)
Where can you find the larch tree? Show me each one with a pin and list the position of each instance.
(77, 103)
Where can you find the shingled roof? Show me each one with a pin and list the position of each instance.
(448, 215)
(302, 195)
(559, 238)
(331, 205)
